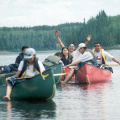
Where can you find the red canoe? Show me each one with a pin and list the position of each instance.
(90, 74)
(67, 70)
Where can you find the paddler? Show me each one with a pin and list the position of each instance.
(28, 67)
(71, 47)
(101, 55)
(86, 55)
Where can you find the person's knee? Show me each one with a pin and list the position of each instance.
(72, 70)
(7, 79)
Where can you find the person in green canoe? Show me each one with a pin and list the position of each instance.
(20, 57)
(29, 67)
(13, 67)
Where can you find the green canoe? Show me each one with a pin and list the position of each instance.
(39, 87)
(52, 62)
(4, 76)
(57, 69)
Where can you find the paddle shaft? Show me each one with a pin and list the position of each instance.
(113, 64)
(58, 74)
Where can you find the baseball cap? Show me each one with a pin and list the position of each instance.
(29, 52)
(81, 45)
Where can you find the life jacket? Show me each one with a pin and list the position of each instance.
(36, 67)
(67, 61)
(92, 61)
(103, 56)
(19, 58)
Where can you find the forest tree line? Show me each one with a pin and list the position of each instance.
(104, 29)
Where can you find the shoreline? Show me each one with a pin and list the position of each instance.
(104, 47)
(112, 47)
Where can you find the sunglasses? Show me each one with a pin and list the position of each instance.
(97, 45)
(71, 46)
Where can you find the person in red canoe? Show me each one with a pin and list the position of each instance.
(86, 55)
(101, 55)
(71, 47)
(66, 56)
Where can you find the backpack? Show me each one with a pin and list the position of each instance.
(51, 60)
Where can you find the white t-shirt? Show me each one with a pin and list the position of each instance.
(30, 68)
(98, 55)
(75, 55)
(85, 56)
(60, 61)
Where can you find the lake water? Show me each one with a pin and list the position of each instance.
(100, 101)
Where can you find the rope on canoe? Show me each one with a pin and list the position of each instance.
(44, 76)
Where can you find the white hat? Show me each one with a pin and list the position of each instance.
(29, 52)
(81, 45)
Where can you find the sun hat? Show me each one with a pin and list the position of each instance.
(29, 52)
(81, 45)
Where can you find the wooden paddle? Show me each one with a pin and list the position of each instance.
(72, 67)
(113, 64)
(58, 74)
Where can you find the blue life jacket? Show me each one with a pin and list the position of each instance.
(36, 67)
(91, 61)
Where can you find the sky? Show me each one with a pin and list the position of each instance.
(28, 13)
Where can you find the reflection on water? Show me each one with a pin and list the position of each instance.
(21, 110)
(72, 101)
(86, 102)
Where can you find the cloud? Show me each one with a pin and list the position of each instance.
(51, 12)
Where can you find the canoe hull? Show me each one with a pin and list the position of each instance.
(90, 74)
(35, 88)
(57, 69)
(67, 70)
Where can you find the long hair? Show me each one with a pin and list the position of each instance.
(62, 51)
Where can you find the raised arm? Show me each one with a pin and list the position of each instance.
(88, 39)
(59, 40)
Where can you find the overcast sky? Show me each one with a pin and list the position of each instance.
(52, 12)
